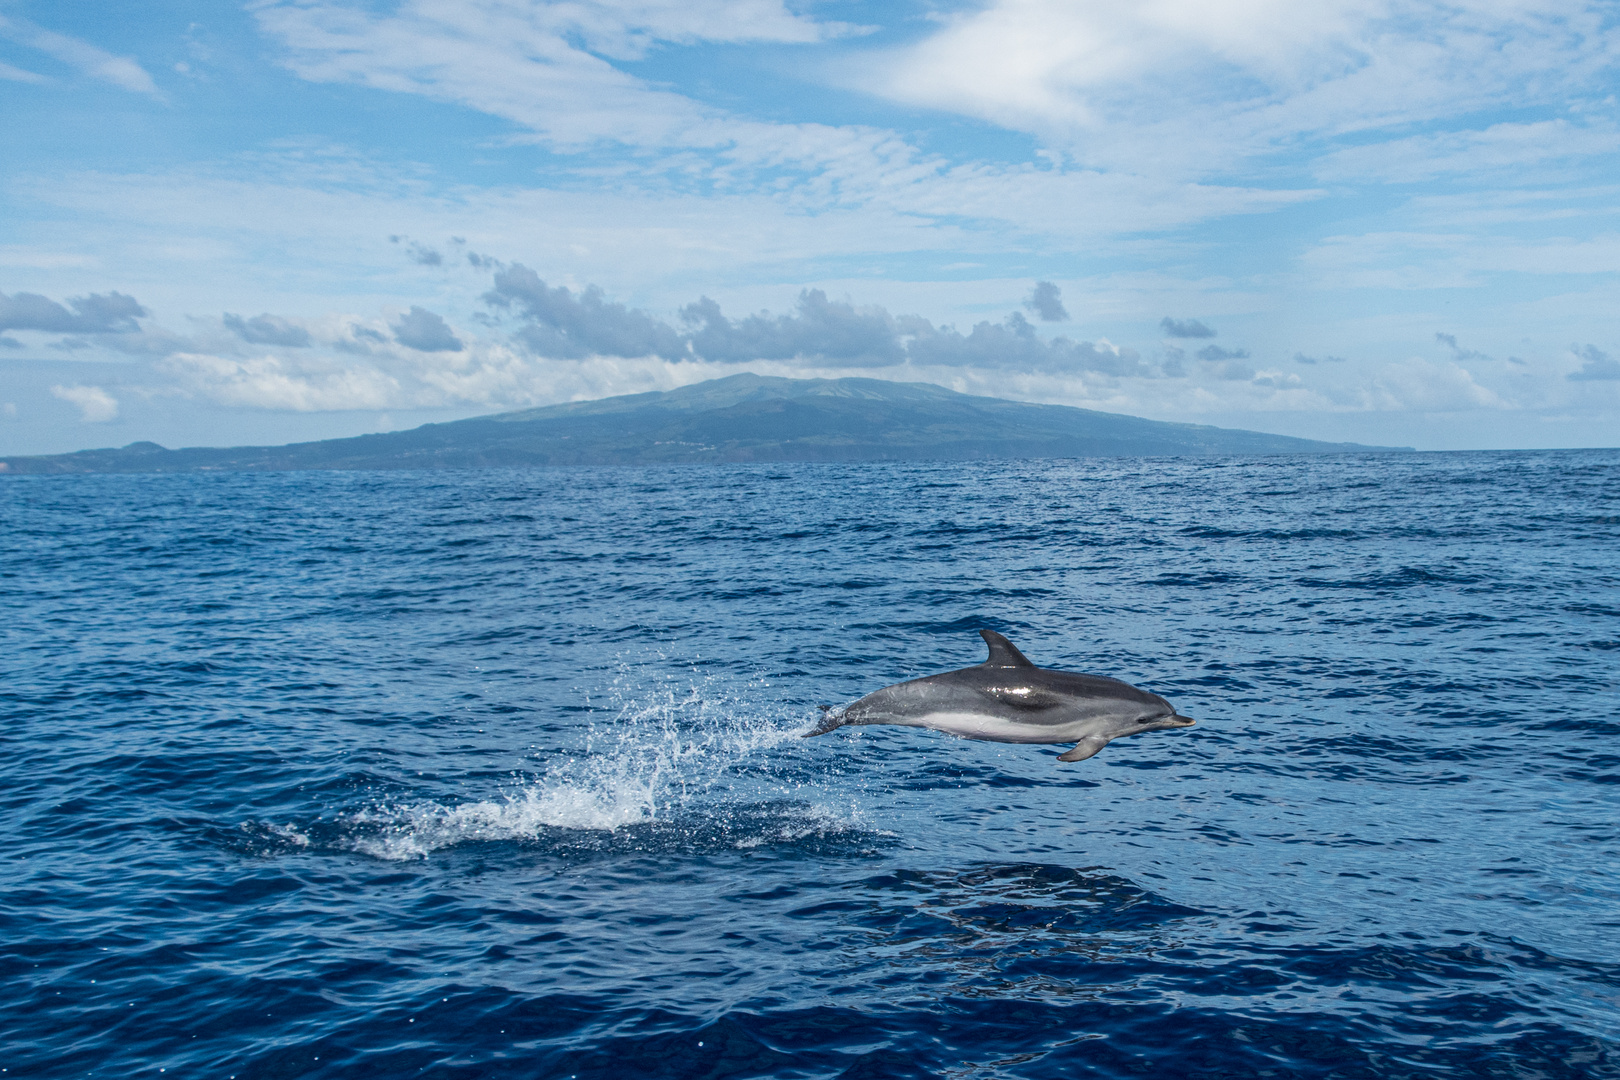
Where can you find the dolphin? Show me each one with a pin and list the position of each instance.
(1008, 699)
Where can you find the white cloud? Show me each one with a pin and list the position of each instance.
(97, 63)
(1280, 380)
(522, 64)
(1196, 84)
(271, 382)
(1416, 260)
(541, 65)
(1421, 385)
(1540, 149)
(96, 406)
(17, 74)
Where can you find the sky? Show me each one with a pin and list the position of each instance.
(1386, 221)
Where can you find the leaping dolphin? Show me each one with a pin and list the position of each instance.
(1008, 699)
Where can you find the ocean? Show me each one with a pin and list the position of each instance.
(498, 773)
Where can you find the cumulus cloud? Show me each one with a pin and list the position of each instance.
(1184, 328)
(270, 382)
(562, 325)
(838, 332)
(96, 406)
(98, 313)
(1047, 303)
(1278, 380)
(424, 331)
(1420, 385)
(1014, 345)
(1301, 358)
(268, 330)
(1215, 354)
(822, 328)
(9, 343)
(565, 326)
(1597, 364)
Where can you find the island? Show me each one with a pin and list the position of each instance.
(739, 418)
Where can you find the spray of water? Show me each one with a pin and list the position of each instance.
(672, 766)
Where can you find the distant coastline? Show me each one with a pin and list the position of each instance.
(740, 418)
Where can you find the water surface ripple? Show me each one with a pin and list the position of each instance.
(496, 773)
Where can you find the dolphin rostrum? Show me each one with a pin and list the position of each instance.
(1008, 699)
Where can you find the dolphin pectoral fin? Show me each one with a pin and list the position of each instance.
(1083, 749)
(1002, 652)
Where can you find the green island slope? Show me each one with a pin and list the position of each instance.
(739, 418)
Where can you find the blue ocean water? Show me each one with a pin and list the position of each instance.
(496, 773)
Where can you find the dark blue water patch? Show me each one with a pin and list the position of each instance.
(498, 773)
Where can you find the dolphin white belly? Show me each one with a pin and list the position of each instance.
(992, 728)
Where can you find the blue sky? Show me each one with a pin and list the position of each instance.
(1379, 220)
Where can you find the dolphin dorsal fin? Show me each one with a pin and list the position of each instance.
(1003, 653)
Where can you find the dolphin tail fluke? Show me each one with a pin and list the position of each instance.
(829, 721)
(1083, 749)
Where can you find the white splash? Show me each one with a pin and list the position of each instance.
(689, 757)
(288, 833)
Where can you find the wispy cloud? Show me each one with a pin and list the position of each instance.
(1199, 87)
(1534, 149)
(120, 71)
(551, 70)
(548, 67)
(17, 74)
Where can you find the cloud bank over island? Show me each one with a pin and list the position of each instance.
(526, 342)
